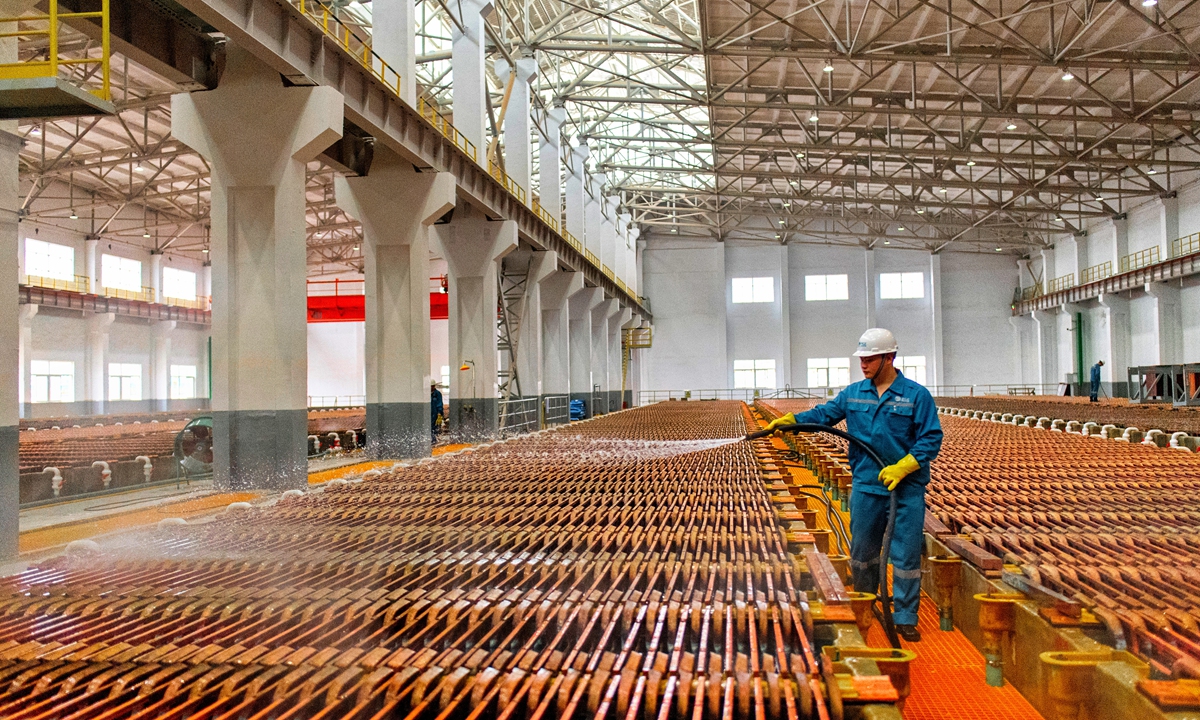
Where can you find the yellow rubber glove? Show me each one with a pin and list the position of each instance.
(893, 474)
(788, 419)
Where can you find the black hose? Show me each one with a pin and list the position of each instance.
(885, 596)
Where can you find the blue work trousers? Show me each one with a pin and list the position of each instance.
(868, 522)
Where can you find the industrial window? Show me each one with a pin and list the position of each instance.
(124, 381)
(51, 381)
(179, 284)
(913, 367)
(826, 287)
(828, 372)
(754, 290)
(183, 381)
(121, 273)
(754, 374)
(896, 286)
(49, 260)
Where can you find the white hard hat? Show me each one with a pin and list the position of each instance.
(876, 341)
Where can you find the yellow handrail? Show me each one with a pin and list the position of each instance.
(200, 303)
(144, 295)
(49, 66)
(1140, 259)
(1062, 283)
(1096, 272)
(428, 111)
(356, 46)
(572, 241)
(80, 284)
(509, 184)
(545, 216)
(1186, 245)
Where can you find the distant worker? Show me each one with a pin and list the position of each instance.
(1096, 380)
(437, 409)
(896, 417)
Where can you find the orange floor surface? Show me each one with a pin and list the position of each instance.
(947, 677)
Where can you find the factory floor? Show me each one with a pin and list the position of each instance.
(948, 675)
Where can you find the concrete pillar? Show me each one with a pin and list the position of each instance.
(206, 280)
(550, 164)
(1115, 334)
(26, 314)
(937, 377)
(1120, 240)
(621, 262)
(600, 355)
(576, 195)
(1168, 223)
(593, 218)
(1024, 274)
(91, 263)
(869, 273)
(10, 322)
(581, 305)
(616, 368)
(160, 365)
(634, 281)
(542, 265)
(556, 291)
(257, 136)
(472, 246)
(95, 354)
(1047, 346)
(518, 161)
(396, 206)
(470, 81)
(611, 239)
(156, 258)
(394, 38)
(1168, 321)
(1048, 269)
(1081, 256)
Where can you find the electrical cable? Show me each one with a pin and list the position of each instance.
(885, 596)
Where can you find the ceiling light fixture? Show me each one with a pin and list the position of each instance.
(780, 222)
(355, 247)
(1151, 171)
(1149, 3)
(205, 251)
(1058, 218)
(813, 118)
(997, 249)
(887, 242)
(74, 215)
(970, 163)
(942, 191)
(1010, 126)
(142, 169)
(901, 228)
(146, 233)
(36, 130)
(795, 183)
(1068, 76)
(799, 155)
(920, 211)
(828, 66)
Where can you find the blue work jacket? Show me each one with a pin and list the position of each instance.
(1096, 374)
(903, 422)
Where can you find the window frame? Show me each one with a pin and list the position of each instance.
(909, 284)
(124, 377)
(811, 284)
(907, 364)
(52, 387)
(756, 369)
(752, 290)
(194, 376)
(175, 272)
(122, 271)
(66, 272)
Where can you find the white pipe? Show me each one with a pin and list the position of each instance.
(316, 443)
(147, 466)
(105, 472)
(1176, 439)
(337, 439)
(56, 481)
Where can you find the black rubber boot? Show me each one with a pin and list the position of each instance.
(909, 633)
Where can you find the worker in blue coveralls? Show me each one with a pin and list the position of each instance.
(1095, 389)
(437, 410)
(896, 417)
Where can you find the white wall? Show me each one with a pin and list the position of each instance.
(828, 328)
(685, 281)
(336, 359)
(978, 339)
(756, 331)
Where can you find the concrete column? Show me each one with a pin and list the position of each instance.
(394, 38)
(1024, 274)
(593, 219)
(160, 365)
(1168, 322)
(600, 354)
(1047, 346)
(470, 81)
(518, 161)
(616, 369)
(1115, 334)
(10, 323)
(91, 263)
(869, 272)
(935, 319)
(1081, 256)
(581, 306)
(396, 206)
(634, 281)
(156, 258)
(1048, 273)
(95, 354)
(550, 163)
(621, 262)
(472, 246)
(785, 317)
(611, 238)
(542, 265)
(1168, 223)
(1120, 240)
(576, 196)
(257, 136)
(556, 291)
(26, 314)
(206, 280)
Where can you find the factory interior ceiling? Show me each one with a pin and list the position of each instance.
(976, 125)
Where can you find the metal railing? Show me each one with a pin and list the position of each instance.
(519, 416)
(1140, 259)
(1029, 293)
(608, 273)
(1186, 245)
(506, 180)
(146, 294)
(47, 64)
(336, 287)
(544, 215)
(573, 241)
(201, 302)
(994, 389)
(556, 410)
(330, 401)
(591, 257)
(1062, 283)
(1096, 273)
(442, 125)
(358, 47)
(80, 284)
